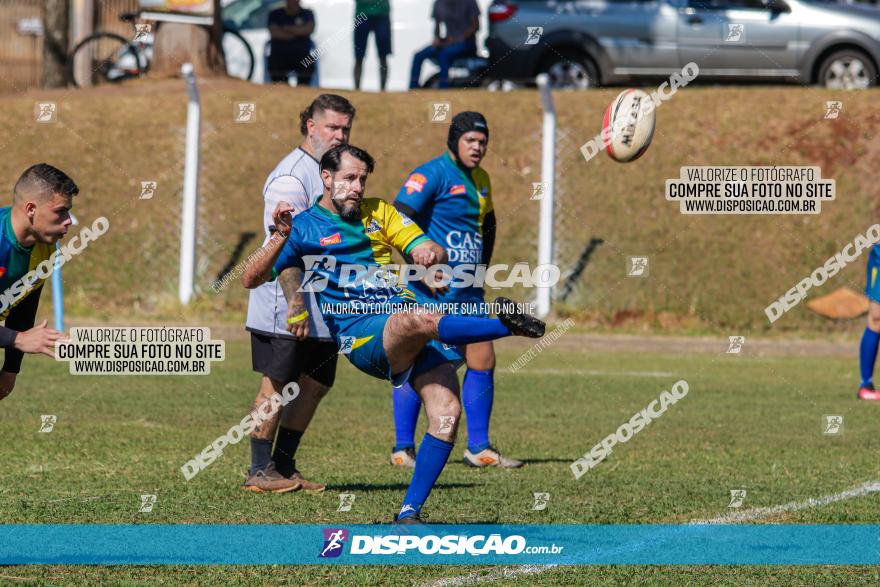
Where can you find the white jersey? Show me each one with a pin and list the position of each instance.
(297, 181)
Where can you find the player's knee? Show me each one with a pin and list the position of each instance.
(417, 323)
(446, 408)
(264, 395)
(313, 388)
(874, 316)
(320, 391)
(481, 361)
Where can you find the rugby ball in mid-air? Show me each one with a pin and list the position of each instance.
(628, 126)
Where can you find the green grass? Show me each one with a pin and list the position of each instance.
(747, 422)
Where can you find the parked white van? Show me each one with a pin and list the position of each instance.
(411, 29)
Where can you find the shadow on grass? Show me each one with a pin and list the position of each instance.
(243, 239)
(540, 461)
(392, 486)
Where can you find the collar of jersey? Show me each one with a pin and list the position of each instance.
(309, 155)
(333, 215)
(10, 234)
(467, 175)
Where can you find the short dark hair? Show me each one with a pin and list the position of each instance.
(44, 180)
(331, 159)
(324, 102)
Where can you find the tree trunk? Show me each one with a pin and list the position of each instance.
(177, 44)
(55, 26)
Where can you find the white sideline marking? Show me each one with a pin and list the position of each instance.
(756, 513)
(594, 373)
(499, 574)
(865, 488)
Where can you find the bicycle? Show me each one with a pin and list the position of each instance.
(105, 57)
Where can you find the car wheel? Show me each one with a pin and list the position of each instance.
(847, 70)
(570, 71)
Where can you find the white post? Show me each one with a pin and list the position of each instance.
(190, 188)
(548, 174)
(83, 12)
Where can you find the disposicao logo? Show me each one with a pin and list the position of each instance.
(334, 539)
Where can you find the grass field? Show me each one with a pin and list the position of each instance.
(749, 422)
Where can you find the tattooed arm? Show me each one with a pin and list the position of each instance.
(291, 283)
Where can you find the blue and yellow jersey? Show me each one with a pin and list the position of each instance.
(329, 249)
(450, 207)
(15, 262)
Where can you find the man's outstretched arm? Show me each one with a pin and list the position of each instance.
(259, 266)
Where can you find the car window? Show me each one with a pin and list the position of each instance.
(249, 14)
(726, 4)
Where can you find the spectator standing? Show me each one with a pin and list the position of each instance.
(378, 21)
(290, 45)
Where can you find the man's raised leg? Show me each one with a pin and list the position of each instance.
(407, 333)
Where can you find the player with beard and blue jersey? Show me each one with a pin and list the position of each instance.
(342, 248)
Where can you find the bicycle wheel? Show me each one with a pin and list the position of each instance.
(103, 58)
(239, 55)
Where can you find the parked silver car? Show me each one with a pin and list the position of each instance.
(583, 43)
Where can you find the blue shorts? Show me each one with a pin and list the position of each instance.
(459, 302)
(872, 289)
(381, 27)
(360, 339)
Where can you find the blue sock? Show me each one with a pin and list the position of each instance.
(868, 355)
(407, 404)
(477, 395)
(432, 457)
(468, 329)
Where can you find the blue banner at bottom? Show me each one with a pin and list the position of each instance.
(441, 544)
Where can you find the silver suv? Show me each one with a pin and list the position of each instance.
(583, 43)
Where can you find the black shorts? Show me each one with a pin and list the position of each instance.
(381, 27)
(285, 359)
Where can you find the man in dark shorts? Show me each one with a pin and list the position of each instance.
(378, 21)
(38, 218)
(290, 45)
(273, 322)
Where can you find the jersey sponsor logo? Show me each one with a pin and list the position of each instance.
(415, 183)
(333, 239)
(404, 219)
(457, 190)
(374, 226)
(464, 247)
